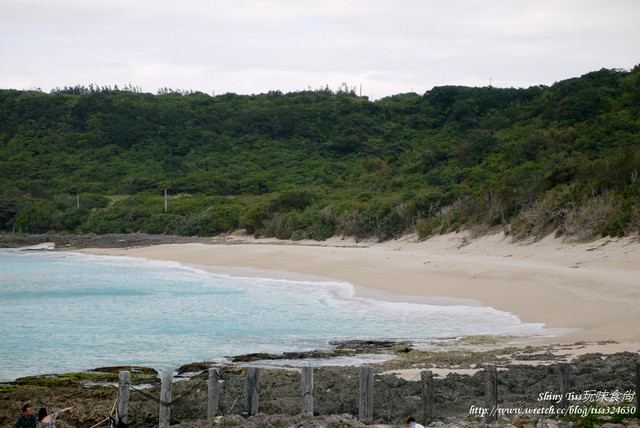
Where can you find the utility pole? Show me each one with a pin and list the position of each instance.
(165, 200)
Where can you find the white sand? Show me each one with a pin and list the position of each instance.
(590, 289)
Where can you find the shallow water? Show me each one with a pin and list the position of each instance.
(63, 311)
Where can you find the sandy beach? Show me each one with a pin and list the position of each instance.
(579, 291)
(586, 294)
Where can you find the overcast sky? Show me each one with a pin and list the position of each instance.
(252, 46)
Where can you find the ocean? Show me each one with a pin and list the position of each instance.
(62, 312)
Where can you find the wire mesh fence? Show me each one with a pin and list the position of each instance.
(429, 394)
(189, 399)
(388, 387)
(279, 392)
(336, 390)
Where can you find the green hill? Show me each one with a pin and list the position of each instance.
(561, 159)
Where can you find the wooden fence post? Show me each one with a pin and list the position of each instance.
(426, 377)
(122, 406)
(366, 394)
(491, 392)
(213, 405)
(252, 390)
(306, 387)
(165, 398)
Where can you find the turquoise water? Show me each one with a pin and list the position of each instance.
(62, 312)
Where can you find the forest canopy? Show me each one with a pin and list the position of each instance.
(561, 159)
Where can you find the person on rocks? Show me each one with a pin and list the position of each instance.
(49, 420)
(26, 419)
(411, 423)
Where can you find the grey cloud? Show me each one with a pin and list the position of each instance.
(251, 46)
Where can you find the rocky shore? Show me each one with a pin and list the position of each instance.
(70, 242)
(459, 384)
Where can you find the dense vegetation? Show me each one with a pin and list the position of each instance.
(561, 159)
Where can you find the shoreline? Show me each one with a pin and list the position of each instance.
(582, 292)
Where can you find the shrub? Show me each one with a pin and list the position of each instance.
(188, 205)
(391, 225)
(73, 218)
(543, 216)
(585, 220)
(291, 200)
(212, 221)
(286, 224)
(93, 200)
(164, 224)
(222, 218)
(319, 225)
(104, 222)
(426, 227)
(252, 218)
(347, 222)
